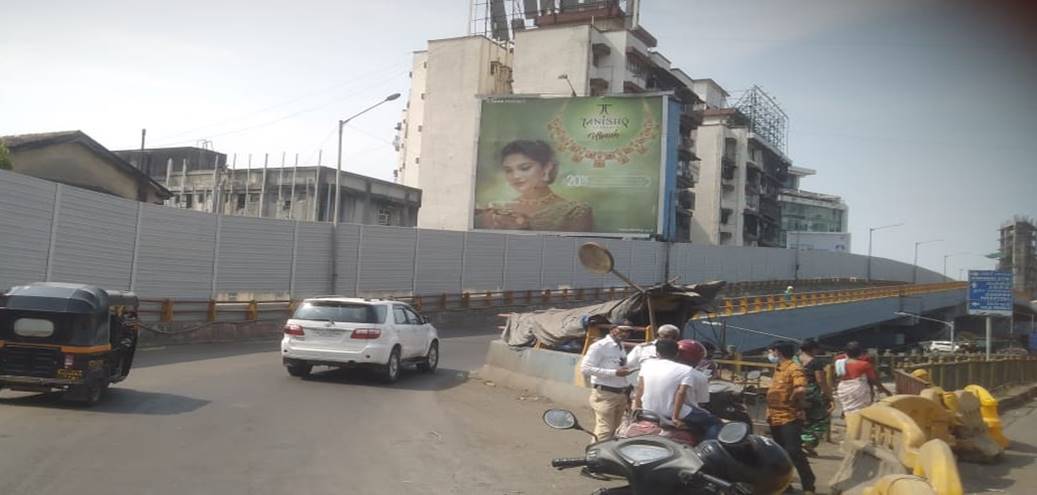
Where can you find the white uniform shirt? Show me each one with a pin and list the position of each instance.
(661, 379)
(640, 353)
(602, 359)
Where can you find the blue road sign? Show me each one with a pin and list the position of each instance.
(990, 293)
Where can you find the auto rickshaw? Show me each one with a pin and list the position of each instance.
(77, 339)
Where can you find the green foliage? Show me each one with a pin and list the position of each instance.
(5, 158)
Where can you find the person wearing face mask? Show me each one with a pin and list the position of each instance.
(818, 397)
(605, 362)
(530, 168)
(785, 408)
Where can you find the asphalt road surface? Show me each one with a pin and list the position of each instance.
(227, 420)
(1016, 471)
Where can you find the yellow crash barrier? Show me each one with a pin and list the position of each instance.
(886, 427)
(931, 417)
(900, 484)
(988, 409)
(936, 464)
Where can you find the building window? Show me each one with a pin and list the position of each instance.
(287, 205)
(241, 201)
(188, 201)
(419, 127)
(417, 160)
(422, 96)
(384, 216)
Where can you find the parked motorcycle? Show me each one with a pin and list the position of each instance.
(736, 463)
(727, 401)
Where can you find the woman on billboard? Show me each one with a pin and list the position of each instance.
(529, 168)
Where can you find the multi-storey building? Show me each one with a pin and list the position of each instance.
(1019, 254)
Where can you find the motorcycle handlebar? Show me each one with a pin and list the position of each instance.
(568, 462)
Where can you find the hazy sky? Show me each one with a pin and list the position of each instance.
(921, 112)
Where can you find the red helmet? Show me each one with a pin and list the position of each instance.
(690, 352)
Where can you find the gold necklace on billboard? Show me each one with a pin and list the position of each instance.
(538, 201)
(578, 152)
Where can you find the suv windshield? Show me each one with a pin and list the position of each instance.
(340, 312)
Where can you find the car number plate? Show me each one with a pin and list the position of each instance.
(327, 333)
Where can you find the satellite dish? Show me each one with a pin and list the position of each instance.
(596, 258)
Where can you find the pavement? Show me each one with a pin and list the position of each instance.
(227, 419)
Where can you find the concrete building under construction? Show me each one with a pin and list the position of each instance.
(200, 179)
(1019, 254)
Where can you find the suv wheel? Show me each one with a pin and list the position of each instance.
(391, 370)
(431, 361)
(299, 369)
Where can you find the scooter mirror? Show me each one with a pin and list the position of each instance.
(753, 375)
(560, 419)
(596, 258)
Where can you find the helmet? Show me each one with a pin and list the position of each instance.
(756, 461)
(690, 352)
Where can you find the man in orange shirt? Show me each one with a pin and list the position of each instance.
(786, 402)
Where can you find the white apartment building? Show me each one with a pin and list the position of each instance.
(587, 50)
(740, 176)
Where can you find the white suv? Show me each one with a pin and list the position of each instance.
(347, 332)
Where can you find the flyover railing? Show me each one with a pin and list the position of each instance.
(955, 372)
(170, 310)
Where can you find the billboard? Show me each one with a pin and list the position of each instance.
(573, 165)
(835, 242)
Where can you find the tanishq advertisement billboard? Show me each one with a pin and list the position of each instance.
(590, 164)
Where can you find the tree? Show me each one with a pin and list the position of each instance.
(5, 158)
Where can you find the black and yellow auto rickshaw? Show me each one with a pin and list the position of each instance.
(73, 338)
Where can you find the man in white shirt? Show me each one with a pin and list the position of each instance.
(605, 362)
(664, 384)
(645, 351)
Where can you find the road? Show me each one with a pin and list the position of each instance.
(1016, 472)
(227, 419)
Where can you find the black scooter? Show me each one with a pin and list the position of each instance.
(736, 463)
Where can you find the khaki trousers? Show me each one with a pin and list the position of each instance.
(608, 412)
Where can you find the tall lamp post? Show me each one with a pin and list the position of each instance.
(914, 269)
(951, 256)
(871, 230)
(338, 168)
(948, 324)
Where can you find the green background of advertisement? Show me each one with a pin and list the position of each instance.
(615, 209)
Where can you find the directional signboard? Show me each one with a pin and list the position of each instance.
(990, 293)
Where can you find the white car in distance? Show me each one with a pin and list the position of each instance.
(349, 332)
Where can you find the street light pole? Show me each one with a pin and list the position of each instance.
(949, 324)
(338, 167)
(914, 269)
(950, 256)
(870, 231)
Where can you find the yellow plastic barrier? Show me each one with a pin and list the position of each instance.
(931, 417)
(988, 408)
(900, 484)
(936, 464)
(886, 427)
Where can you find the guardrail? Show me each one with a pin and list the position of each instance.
(167, 310)
(956, 372)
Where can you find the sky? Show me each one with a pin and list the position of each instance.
(918, 112)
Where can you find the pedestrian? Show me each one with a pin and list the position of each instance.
(785, 408)
(788, 294)
(646, 351)
(857, 380)
(605, 362)
(818, 396)
(664, 382)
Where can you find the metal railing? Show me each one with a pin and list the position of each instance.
(955, 372)
(167, 310)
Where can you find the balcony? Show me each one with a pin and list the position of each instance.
(752, 203)
(728, 173)
(685, 149)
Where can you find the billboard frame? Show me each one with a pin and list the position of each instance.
(666, 98)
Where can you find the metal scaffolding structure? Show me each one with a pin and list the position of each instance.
(501, 19)
(766, 118)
